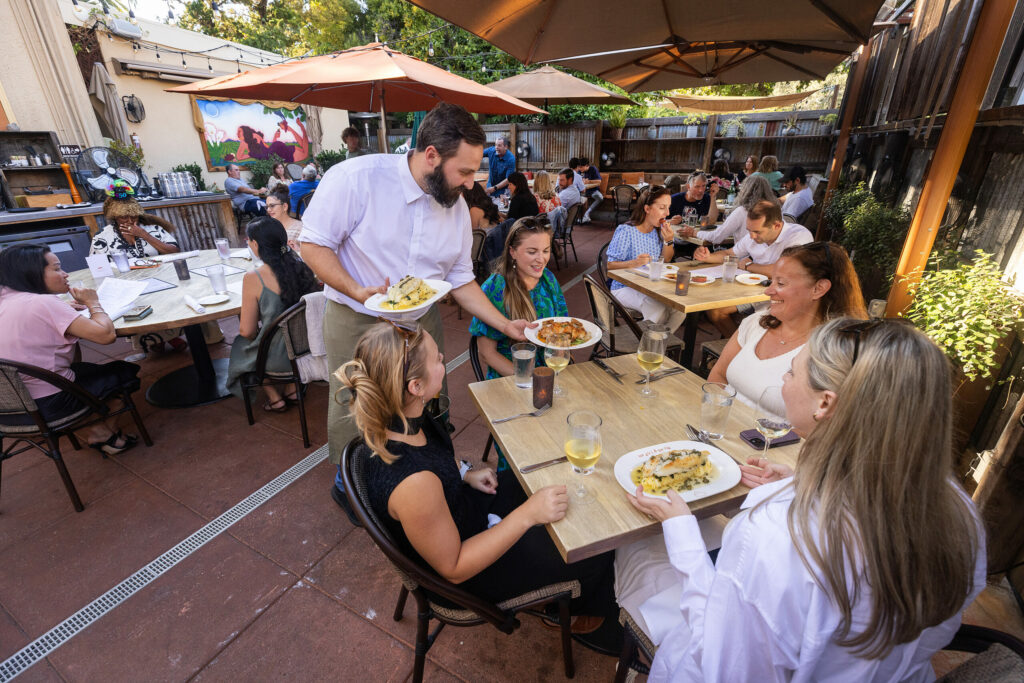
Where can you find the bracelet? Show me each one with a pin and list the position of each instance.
(464, 467)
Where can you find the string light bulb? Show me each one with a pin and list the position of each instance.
(238, 65)
(209, 65)
(430, 50)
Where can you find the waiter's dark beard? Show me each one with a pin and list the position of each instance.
(439, 189)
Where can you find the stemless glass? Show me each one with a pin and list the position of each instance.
(583, 448)
(716, 400)
(558, 358)
(651, 354)
(767, 419)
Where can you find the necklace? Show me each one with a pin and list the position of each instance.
(783, 342)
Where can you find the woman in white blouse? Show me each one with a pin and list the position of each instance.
(815, 575)
(811, 283)
(753, 190)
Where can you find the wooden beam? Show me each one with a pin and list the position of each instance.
(709, 141)
(850, 100)
(937, 184)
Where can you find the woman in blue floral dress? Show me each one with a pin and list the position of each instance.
(521, 286)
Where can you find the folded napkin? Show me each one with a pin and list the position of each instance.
(167, 258)
(191, 302)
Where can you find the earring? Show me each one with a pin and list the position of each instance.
(816, 416)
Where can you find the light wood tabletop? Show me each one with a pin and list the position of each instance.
(169, 309)
(629, 423)
(718, 294)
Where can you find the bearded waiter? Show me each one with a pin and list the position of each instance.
(377, 218)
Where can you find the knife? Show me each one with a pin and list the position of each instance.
(604, 366)
(661, 375)
(542, 465)
(697, 434)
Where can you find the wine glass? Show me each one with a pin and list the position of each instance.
(557, 358)
(583, 448)
(767, 419)
(651, 354)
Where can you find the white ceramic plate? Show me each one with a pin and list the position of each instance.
(440, 287)
(668, 271)
(591, 328)
(751, 278)
(727, 475)
(215, 299)
(710, 280)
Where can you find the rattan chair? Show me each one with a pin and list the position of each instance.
(564, 240)
(478, 372)
(624, 196)
(292, 325)
(620, 332)
(480, 270)
(433, 593)
(634, 643)
(16, 402)
(304, 201)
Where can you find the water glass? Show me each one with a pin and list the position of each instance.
(654, 269)
(583, 448)
(714, 408)
(121, 261)
(729, 265)
(223, 247)
(218, 279)
(524, 357)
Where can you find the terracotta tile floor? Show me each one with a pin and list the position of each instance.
(292, 591)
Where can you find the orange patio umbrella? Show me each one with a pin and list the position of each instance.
(372, 77)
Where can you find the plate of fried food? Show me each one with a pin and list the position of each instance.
(694, 469)
(408, 295)
(581, 333)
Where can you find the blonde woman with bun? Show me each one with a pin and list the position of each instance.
(857, 565)
(438, 514)
(544, 191)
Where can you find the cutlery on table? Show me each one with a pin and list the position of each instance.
(664, 373)
(617, 376)
(536, 413)
(698, 434)
(542, 465)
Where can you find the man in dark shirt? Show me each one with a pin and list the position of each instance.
(698, 197)
(594, 193)
(501, 164)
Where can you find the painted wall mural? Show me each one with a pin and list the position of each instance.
(240, 133)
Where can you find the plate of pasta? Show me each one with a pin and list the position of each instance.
(408, 295)
(582, 333)
(694, 469)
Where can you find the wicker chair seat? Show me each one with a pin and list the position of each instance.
(30, 430)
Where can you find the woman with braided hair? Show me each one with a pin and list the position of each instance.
(267, 292)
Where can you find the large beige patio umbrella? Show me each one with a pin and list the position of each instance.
(547, 85)
(733, 105)
(372, 77)
(545, 30)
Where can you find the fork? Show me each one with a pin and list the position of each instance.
(536, 413)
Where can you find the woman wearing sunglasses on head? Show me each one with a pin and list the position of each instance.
(439, 514)
(836, 571)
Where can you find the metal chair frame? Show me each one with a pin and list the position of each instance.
(623, 196)
(478, 373)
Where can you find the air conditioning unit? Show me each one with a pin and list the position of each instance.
(125, 29)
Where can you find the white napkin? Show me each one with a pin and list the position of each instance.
(167, 258)
(193, 304)
(242, 253)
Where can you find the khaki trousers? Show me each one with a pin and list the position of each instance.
(342, 329)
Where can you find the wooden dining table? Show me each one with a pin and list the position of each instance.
(718, 294)
(204, 380)
(629, 423)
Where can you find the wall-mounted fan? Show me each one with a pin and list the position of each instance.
(608, 159)
(134, 111)
(723, 154)
(523, 150)
(98, 167)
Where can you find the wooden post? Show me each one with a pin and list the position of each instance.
(949, 154)
(382, 132)
(709, 142)
(998, 494)
(596, 161)
(850, 98)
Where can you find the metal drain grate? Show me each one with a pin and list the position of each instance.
(77, 622)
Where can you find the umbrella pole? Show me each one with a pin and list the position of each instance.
(382, 133)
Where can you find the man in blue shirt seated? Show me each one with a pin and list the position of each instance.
(568, 195)
(587, 172)
(502, 164)
(300, 188)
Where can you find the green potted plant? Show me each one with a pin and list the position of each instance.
(693, 122)
(328, 158)
(791, 126)
(734, 127)
(617, 121)
(196, 172)
(828, 121)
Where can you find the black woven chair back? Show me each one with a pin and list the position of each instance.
(292, 319)
(304, 200)
(15, 398)
(474, 359)
(602, 264)
(353, 462)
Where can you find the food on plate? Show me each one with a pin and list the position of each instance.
(699, 279)
(408, 292)
(681, 470)
(572, 327)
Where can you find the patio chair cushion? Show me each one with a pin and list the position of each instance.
(997, 663)
(30, 429)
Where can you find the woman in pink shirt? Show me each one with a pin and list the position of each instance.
(42, 330)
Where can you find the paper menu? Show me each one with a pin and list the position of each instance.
(99, 266)
(117, 296)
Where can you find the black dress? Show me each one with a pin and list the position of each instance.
(532, 562)
(522, 205)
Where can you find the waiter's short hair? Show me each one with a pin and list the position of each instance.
(770, 211)
(445, 127)
(567, 172)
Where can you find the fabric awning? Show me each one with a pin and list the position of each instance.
(734, 105)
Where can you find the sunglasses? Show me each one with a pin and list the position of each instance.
(862, 326)
(406, 332)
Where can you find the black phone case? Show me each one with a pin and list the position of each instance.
(756, 441)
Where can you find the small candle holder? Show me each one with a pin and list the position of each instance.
(181, 269)
(543, 387)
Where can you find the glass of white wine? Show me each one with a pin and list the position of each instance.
(583, 448)
(651, 354)
(558, 358)
(767, 419)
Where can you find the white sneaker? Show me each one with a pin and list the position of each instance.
(586, 219)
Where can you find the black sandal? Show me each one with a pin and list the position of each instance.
(269, 406)
(110, 447)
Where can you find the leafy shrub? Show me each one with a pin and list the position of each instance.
(328, 158)
(131, 151)
(967, 310)
(617, 117)
(196, 172)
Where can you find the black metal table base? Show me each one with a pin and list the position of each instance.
(198, 384)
